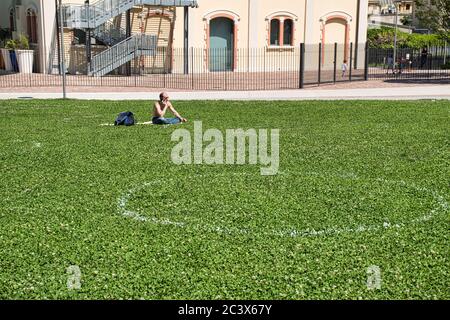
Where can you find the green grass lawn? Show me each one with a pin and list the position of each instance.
(361, 184)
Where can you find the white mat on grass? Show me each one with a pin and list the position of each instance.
(149, 123)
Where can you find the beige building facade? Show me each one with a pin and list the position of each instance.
(390, 13)
(235, 27)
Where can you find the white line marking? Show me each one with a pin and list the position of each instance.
(441, 205)
(136, 216)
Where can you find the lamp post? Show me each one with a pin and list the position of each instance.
(395, 33)
(88, 32)
(62, 55)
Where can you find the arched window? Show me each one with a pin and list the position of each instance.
(275, 32)
(288, 32)
(32, 25)
(12, 19)
(281, 31)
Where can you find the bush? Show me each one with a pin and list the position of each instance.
(446, 66)
(406, 21)
(384, 38)
(11, 44)
(19, 44)
(23, 43)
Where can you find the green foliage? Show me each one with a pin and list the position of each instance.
(11, 44)
(435, 15)
(342, 164)
(406, 20)
(5, 34)
(23, 43)
(20, 44)
(446, 66)
(384, 38)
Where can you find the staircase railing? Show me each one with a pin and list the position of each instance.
(112, 58)
(95, 14)
(109, 34)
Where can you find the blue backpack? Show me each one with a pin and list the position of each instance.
(125, 119)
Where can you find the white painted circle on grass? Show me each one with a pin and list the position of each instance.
(440, 205)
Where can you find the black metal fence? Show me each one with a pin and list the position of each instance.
(409, 64)
(241, 69)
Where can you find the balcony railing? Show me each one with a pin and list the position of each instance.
(95, 14)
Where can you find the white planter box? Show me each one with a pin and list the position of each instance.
(25, 60)
(7, 59)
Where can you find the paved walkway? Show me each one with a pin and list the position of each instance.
(416, 92)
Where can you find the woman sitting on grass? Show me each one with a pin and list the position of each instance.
(160, 108)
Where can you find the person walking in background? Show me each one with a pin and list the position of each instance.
(344, 68)
(423, 58)
(390, 64)
(400, 64)
(408, 62)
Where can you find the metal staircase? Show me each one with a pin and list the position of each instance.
(109, 34)
(79, 16)
(97, 17)
(112, 58)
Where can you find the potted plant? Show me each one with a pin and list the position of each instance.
(5, 34)
(6, 59)
(11, 46)
(25, 56)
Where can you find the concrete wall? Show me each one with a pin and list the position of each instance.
(5, 5)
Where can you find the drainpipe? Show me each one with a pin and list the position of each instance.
(249, 35)
(356, 46)
(43, 39)
(186, 40)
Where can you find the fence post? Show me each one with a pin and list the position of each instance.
(28, 67)
(319, 75)
(135, 61)
(264, 69)
(191, 69)
(445, 52)
(430, 65)
(351, 62)
(366, 62)
(164, 53)
(225, 71)
(302, 66)
(335, 62)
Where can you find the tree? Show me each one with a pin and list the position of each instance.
(435, 15)
(384, 38)
(406, 21)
